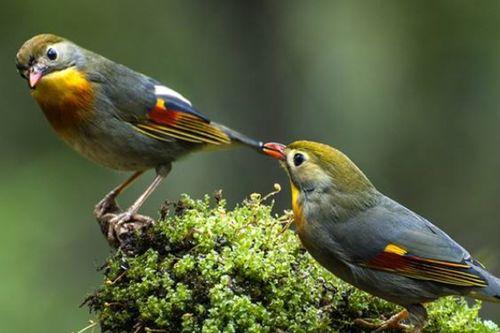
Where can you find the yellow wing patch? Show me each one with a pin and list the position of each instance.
(391, 248)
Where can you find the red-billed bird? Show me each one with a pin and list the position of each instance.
(373, 242)
(116, 117)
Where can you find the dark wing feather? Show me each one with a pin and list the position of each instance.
(166, 121)
(396, 259)
(173, 117)
(396, 240)
(154, 109)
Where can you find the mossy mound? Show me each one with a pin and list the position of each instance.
(205, 268)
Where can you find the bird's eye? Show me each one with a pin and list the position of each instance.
(51, 54)
(298, 159)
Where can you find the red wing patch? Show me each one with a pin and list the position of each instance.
(165, 124)
(397, 260)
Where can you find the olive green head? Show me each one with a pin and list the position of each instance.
(316, 167)
(45, 54)
(311, 163)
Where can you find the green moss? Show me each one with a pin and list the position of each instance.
(205, 268)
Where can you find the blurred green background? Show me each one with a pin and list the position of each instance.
(409, 90)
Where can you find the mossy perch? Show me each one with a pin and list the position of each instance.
(204, 268)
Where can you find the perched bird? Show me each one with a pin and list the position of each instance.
(116, 117)
(373, 242)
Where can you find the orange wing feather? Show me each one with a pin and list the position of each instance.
(165, 123)
(396, 259)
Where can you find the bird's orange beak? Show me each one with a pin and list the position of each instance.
(275, 150)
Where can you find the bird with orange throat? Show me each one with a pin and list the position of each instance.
(118, 118)
(372, 241)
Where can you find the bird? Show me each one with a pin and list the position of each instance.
(371, 241)
(118, 118)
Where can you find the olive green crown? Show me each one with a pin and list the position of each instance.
(346, 176)
(35, 47)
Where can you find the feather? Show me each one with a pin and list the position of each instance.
(398, 260)
(176, 119)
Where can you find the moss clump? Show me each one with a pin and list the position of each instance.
(210, 269)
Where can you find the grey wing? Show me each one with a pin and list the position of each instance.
(153, 109)
(395, 239)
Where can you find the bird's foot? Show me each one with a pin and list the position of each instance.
(392, 323)
(105, 210)
(121, 227)
(106, 205)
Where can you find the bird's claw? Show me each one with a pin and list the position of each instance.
(123, 225)
(393, 323)
(118, 226)
(380, 327)
(106, 205)
(394, 326)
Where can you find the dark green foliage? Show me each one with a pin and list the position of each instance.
(208, 269)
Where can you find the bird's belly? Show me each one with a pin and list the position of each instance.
(111, 156)
(321, 247)
(114, 143)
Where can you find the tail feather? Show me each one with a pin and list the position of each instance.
(490, 293)
(241, 138)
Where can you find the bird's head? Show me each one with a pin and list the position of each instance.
(318, 168)
(44, 55)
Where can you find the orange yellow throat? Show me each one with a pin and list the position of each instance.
(66, 98)
(297, 208)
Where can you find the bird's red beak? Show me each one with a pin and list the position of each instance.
(275, 150)
(35, 75)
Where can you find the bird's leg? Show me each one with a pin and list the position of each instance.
(108, 203)
(128, 221)
(392, 323)
(417, 316)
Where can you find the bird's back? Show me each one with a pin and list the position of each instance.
(394, 253)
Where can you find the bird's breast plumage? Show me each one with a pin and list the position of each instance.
(297, 208)
(66, 98)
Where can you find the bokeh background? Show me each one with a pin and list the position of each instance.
(409, 90)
